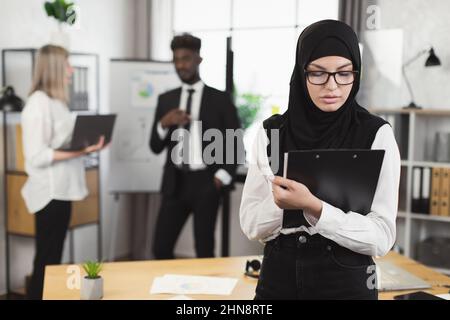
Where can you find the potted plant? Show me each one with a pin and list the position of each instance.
(64, 13)
(92, 283)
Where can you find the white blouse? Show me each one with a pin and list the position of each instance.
(47, 124)
(372, 234)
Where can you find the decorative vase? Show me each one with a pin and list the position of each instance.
(91, 289)
(60, 37)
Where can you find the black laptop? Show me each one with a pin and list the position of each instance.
(88, 130)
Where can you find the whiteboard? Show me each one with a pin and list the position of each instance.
(134, 90)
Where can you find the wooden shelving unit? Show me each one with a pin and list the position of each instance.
(420, 128)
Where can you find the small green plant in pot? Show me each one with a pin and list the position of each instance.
(64, 13)
(92, 283)
(61, 10)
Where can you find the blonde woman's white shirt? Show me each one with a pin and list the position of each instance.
(372, 234)
(47, 125)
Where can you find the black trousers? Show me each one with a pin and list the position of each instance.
(195, 193)
(51, 228)
(301, 266)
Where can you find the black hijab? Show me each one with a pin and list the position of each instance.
(304, 126)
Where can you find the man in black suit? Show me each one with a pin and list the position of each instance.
(190, 184)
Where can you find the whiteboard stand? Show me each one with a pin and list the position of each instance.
(114, 228)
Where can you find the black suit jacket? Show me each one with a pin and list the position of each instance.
(216, 112)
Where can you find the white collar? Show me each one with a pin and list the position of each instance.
(196, 86)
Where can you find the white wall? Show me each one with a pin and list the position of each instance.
(424, 23)
(106, 28)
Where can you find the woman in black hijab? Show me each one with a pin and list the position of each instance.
(314, 250)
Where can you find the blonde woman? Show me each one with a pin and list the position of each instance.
(55, 178)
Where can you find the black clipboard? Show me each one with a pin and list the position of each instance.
(346, 179)
(89, 128)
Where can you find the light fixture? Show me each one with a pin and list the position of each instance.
(9, 101)
(431, 61)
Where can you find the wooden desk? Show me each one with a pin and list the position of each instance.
(132, 280)
(435, 279)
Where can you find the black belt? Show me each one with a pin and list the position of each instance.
(301, 239)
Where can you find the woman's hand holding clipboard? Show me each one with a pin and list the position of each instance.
(290, 194)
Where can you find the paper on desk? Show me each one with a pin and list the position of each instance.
(445, 296)
(180, 297)
(183, 284)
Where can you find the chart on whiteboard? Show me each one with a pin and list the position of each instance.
(146, 85)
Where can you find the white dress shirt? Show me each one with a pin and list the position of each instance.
(195, 137)
(47, 124)
(372, 234)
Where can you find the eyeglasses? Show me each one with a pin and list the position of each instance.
(322, 77)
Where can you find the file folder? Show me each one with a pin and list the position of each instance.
(344, 178)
